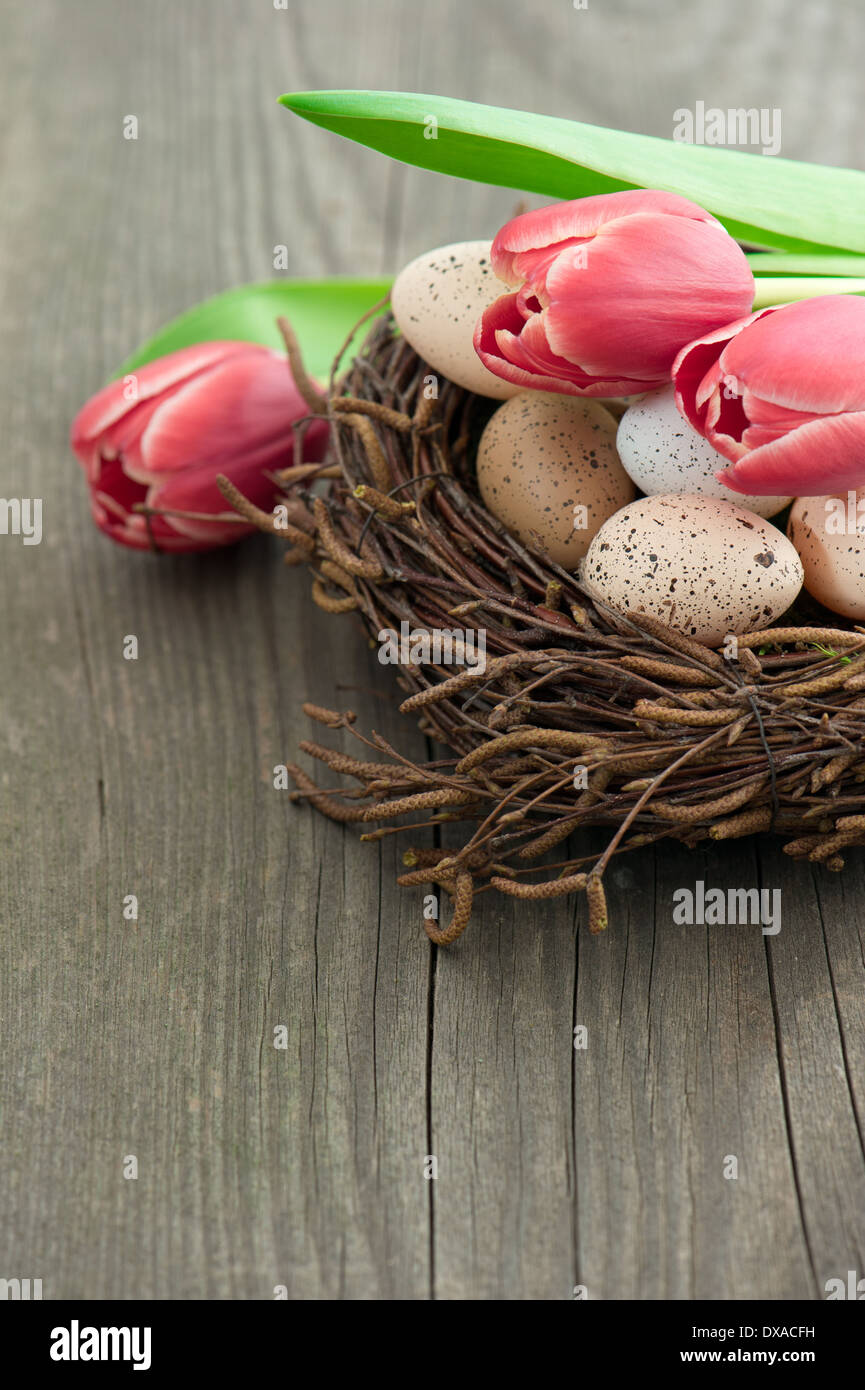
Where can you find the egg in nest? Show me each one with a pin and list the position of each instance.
(829, 534)
(663, 453)
(706, 567)
(547, 467)
(437, 300)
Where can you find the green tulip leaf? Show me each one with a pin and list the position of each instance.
(760, 199)
(764, 263)
(322, 314)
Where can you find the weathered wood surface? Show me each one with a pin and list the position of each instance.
(304, 1167)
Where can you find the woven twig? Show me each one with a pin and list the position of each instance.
(579, 716)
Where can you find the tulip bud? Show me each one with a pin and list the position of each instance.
(781, 394)
(158, 438)
(607, 290)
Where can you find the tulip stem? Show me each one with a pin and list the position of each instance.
(785, 289)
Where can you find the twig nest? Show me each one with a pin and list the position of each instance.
(578, 716)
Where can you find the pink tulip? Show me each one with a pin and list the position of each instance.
(607, 290)
(782, 395)
(162, 434)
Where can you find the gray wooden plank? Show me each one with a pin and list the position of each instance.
(502, 1049)
(304, 1167)
(818, 979)
(257, 1167)
(687, 1075)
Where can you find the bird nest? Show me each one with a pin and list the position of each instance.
(579, 716)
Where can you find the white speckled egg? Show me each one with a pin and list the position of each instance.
(548, 469)
(437, 300)
(707, 568)
(829, 534)
(663, 453)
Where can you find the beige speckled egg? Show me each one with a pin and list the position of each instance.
(663, 453)
(548, 469)
(437, 300)
(829, 534)
(705, 567)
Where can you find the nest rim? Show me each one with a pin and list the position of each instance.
(769, 740)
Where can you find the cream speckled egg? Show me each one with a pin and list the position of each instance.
(548, 469)
(707, 568)
(437, 300)
(663, 453)
(829, 534)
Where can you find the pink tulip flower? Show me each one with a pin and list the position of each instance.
(160, 436)
(782, 395)
(607, 290)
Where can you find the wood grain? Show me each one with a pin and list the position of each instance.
(304, 1166)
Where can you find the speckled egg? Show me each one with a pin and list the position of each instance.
(707, 568)
(829, 534)
(663, 453)
(548, 469)
(437, 300)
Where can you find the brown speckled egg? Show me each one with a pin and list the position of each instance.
(437, 300)
(548, 469)
(705, 567)
(829, 534)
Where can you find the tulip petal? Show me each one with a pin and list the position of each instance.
(228, 412)
(531, 267)
(110, 404)
(611, 319)
(518, 352)
(195, 490)
(531, 350)
(536, 355)
(123, 437)
(137, 532)
(767, 421)
(807, 357)
(823, 456)
(696, 361)
(557, 223)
